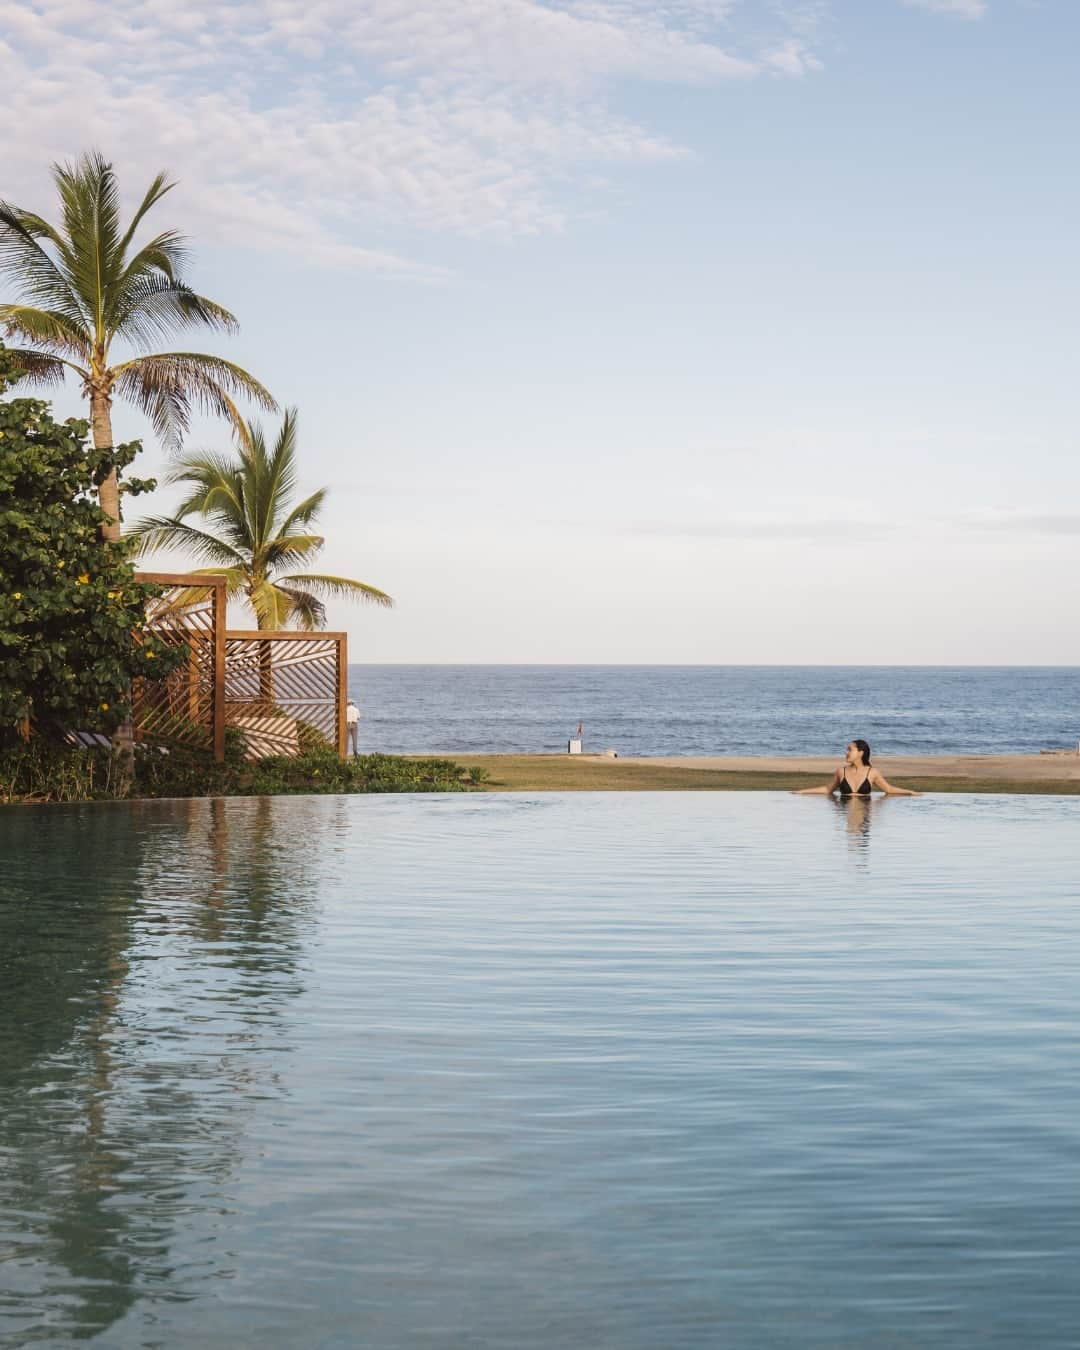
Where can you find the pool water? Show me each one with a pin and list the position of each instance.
(627, 1070)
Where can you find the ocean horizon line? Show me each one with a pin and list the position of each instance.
(724, 665)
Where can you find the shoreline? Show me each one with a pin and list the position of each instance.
(1054, 773)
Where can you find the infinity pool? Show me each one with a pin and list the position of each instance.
(626, 1071)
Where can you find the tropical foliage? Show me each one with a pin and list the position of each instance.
(251, 532)
(315, 772)
(84, 288)
(68, 607)
(39, 771)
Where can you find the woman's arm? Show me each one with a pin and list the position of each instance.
(826, 791)
(879, 781)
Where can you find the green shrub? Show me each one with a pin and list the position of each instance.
(324, 771)
(69, 604)
(179, 771)
(42, 771)
(194, 773)
(311, 738)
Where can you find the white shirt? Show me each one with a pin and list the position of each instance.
(352, 714)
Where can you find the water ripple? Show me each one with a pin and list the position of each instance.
(615, 1071)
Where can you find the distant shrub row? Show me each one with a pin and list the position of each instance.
(42, 771)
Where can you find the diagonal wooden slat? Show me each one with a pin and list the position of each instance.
(187, 707)
(286, 691)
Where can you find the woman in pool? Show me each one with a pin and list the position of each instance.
(857, 777)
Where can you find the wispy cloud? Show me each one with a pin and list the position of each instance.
(1024, 522)
(842, 522)
(792, 57)
(838, 523)
(330, 128)
(964, 9)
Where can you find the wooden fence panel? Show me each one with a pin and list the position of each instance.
(286, 690)
(188, 706)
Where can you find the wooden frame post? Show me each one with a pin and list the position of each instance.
(343, 689)
(220, 602)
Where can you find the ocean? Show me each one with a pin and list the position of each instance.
(717, 710)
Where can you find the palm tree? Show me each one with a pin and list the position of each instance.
(252, 533)
(85, 290)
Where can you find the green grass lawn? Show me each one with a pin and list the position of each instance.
(566, 773)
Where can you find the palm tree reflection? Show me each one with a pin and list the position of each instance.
(147, 956)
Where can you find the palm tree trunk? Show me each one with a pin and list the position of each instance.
(109, 498)
(109, 492)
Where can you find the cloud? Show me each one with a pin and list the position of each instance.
(346, 131)
(1024, 522)
(964, 9)
(839, 523)
(845, 523)
(790, 58)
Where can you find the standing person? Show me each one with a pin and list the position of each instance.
(857, 777)
(352, 726)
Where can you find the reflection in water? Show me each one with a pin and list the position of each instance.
(857, 814)
(614, 1070)
(108, 1116)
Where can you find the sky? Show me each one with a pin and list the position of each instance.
(660, 331)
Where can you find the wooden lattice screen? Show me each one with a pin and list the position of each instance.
(188, 707)
(286, 691)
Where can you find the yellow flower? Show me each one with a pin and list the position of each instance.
(84, 580)
(18, 595)
(113, 594)
(149, 656)
(104, 707)
(60, 562)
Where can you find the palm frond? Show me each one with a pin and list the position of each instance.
(154, 193)
(236, 581)
(47, 327)
(39, 367)
(280, 477)
(167, 386)
(271, 604)
(203, 466)
(216, 492)
(306, 610)
(158, 532)
(40, 279)
(147, 308)
(305, 513)
(285, 550)
(342, 587)
(253, 471)
(162, 256)
(90, 207)
(37, 226)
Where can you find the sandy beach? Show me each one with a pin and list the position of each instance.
(1050, 773)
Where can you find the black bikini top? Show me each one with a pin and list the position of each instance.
(863, 790)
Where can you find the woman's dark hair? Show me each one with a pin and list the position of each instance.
(864, 750)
